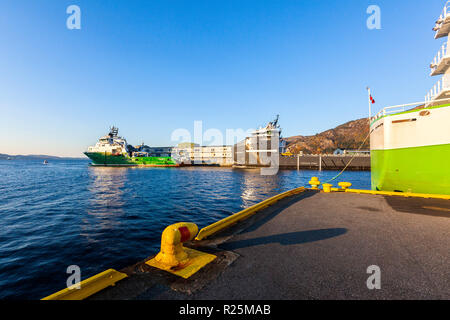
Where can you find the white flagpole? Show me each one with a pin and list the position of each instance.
(370, 104)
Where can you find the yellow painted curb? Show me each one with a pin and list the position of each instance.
(401, 194)
(244, 214)
(89, 286)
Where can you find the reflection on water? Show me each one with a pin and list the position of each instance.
(107, 189)
(255, 186)
(106, 201)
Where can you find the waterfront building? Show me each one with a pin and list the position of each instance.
(203, 155)
(160, 151)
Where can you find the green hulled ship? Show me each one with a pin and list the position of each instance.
(112, 150)
(410, 148)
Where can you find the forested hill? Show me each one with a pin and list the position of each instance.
(346, 136)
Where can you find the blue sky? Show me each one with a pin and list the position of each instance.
(150, 67)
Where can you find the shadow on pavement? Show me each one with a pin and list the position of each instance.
(278, 208)
(287, 238)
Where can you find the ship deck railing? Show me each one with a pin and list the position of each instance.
(405, 107)
(436, 92)
(439, 65)
(443, 19)
(445, 11)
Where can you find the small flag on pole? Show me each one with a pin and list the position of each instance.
(371, 102)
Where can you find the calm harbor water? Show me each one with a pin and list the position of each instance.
(68, 213)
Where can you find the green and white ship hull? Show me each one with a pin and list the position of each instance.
(410, 151)
(108, 159)
(112, 150)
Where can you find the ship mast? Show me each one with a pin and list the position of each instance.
(441, 62)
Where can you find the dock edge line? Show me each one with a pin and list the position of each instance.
(89, 286)
(401, 194)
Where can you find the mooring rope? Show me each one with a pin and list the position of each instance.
(356, 153)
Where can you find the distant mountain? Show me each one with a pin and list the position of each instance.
(346, 136)
(36, 156)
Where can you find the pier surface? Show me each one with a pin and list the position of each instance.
(316, 246)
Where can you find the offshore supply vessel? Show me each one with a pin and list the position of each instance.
(410, 148)
(112, 150)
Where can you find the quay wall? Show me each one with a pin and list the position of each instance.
(326, 162)
(305, 162)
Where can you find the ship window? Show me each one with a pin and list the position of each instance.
(405, 120)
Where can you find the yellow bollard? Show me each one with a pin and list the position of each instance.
(344, 185)
(327, 187)
(172, 252)
(315, 183)
(175, 258)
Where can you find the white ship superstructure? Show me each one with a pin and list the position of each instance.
(265, 139)
(111, 143)
(264, 145)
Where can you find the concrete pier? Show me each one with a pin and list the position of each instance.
(315, 246)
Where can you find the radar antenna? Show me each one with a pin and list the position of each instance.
(113, 132)
(275, 122)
